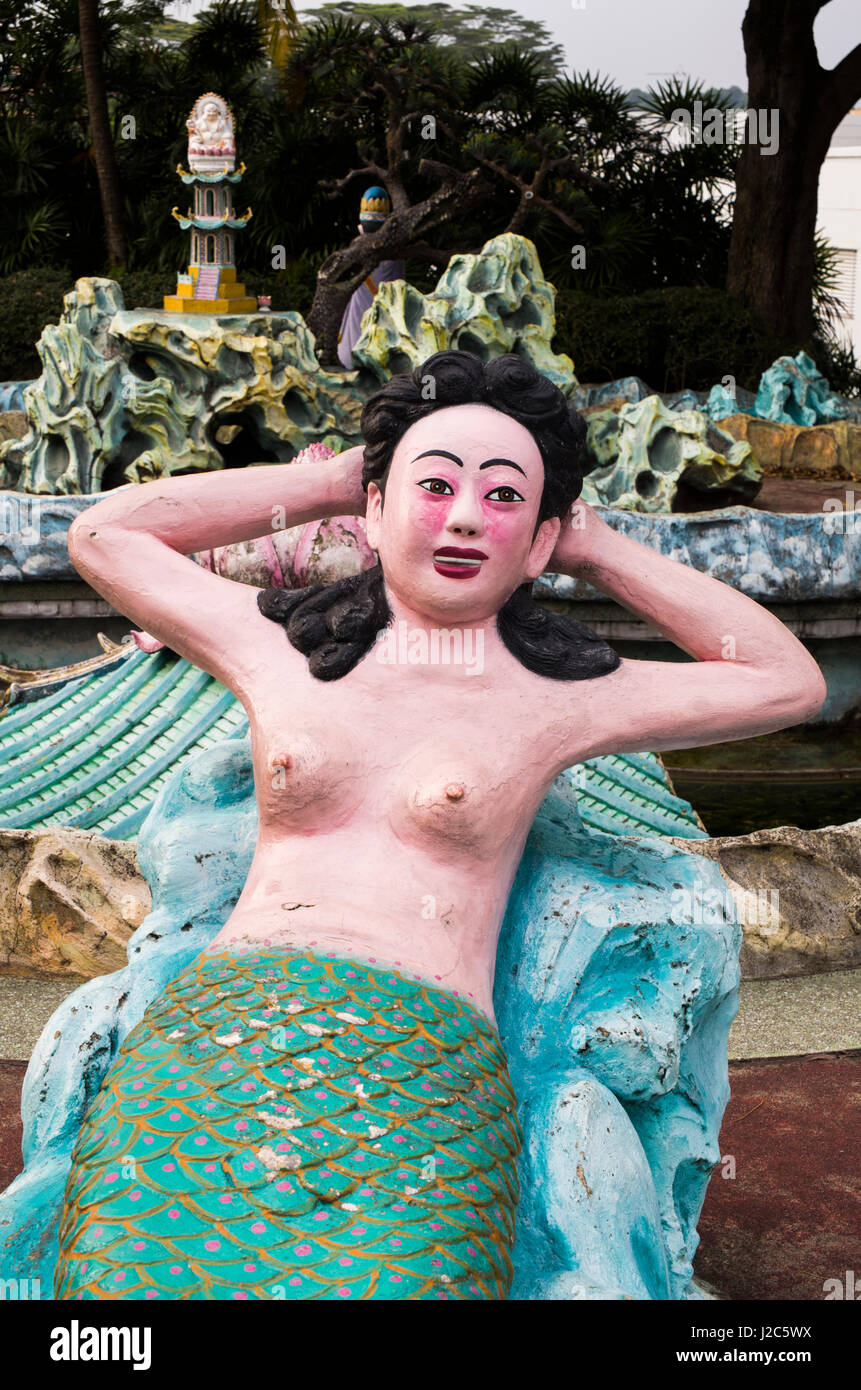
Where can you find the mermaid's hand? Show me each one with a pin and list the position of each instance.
(580, 541)
(349, 464)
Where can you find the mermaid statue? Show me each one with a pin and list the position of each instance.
(318, 1104)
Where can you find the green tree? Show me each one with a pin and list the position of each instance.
(473, 29)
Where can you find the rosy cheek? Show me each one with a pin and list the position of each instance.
(428, 513)
(506, 525)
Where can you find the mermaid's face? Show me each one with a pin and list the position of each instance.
(457, 535)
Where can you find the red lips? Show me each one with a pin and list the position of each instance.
(458, 562)
(459, 552)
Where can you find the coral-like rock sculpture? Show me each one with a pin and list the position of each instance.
(643, 451)
(495, 302)
(127, 396)
(792, 391)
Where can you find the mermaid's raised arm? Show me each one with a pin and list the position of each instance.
(133, 548)
(751, 674)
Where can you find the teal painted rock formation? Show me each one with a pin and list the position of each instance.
(127, 396)
(644, 450)
(792, 391)
(489, 304)
(614, 1001)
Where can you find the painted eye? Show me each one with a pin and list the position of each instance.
(438, 486)
(504, 494)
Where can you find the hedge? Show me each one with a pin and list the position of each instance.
(675, 338)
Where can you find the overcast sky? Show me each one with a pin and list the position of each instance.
(637, 42)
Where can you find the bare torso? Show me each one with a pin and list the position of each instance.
(394, 804)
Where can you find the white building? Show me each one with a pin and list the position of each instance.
(840, 218)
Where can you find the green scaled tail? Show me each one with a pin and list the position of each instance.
(285, 1126)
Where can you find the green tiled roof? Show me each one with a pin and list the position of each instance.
(93, 751)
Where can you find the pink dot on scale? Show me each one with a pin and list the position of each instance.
(176, 1269)
(138, 1244)
(249, 1268)
(395, 1278)
(148, 1139)
(225, 1198)
(302, 1250)
(111, 1177)
(343, 1291)
(210, 1167)
(135, 1196)
(151, 1293)
(295, 1279)
(259, 1227)
(212, 1244)
(345, 1260)
(174, 1213)
(240, 1294)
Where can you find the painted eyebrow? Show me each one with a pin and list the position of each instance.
(507, 462)
(444, 454)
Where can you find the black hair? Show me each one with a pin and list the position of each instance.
(335, 625)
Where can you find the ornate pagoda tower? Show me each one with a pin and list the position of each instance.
(211, 287)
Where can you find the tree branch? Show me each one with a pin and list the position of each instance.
(342, 184)
(843, 83)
